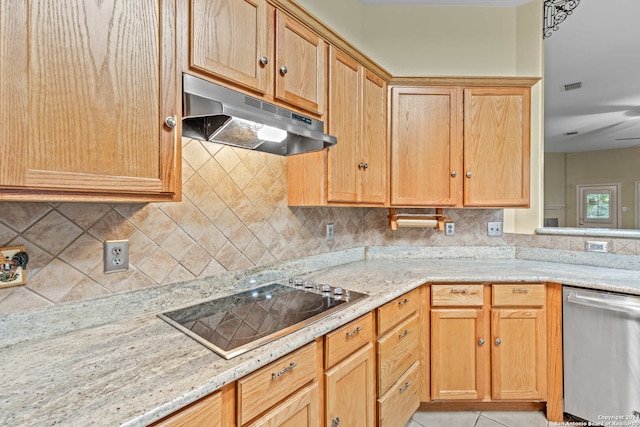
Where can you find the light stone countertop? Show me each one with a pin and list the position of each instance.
(137, 369)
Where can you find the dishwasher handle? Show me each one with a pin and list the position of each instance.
(603, 303)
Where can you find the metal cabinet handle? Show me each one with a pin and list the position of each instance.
(366, 166)
(283, 70)
(480, 341)
(335, 422)
(498, 341)
(468, 174)
(264, 60)
(406, 386)
(454, 174)
(459, 290)
(360, 165)
(284, 371)
(404, 334)
(355, 331)
(520, 291)
(403, 302)
(171, 122)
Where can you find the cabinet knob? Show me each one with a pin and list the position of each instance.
(468, 174)
(498, 341)
(454, 174)
(335, 422)
(360, 165)
(366, 166)
(264, 60)
(171, 122)
(480, 341)
(283, 70)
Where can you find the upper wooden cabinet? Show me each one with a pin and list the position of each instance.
(426, 146)
(497, 127)
(455, 146)
(358, 163)
(229, 40)
(86, 88)
(251, 44)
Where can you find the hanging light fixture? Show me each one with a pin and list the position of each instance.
(555, 12)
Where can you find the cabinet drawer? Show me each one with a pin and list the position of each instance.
(400, 308)
(397, 351)
(518, 294)
(401, 401)
(459, 294)
(207, 411)
(264, 388)
(343, 341)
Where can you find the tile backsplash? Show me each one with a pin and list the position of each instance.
(233, 216)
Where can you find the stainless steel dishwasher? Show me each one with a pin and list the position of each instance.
(601, 340)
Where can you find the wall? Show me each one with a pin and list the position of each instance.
(603, 167)
(554, 187)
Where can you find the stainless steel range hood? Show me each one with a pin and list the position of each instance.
(217, 114)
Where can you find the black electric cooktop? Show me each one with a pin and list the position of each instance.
(238, 323)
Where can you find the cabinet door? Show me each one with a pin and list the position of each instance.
(497, 124)
(373, 146)
(229, 39)
(518, 354)
(300, 410)
(344, 86)
(300, 68)
(86, 87)
(457, 355)
(426, 146)
(350, 391)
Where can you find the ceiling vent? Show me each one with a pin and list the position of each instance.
(571, 86)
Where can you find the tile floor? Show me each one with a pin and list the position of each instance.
(479, 419)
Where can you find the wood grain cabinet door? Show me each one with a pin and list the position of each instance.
(86, 87)
(373, 148)
(497, 127)
(457, 354)
(350, 395)
(300, 66)
(229, 40)
(519, 354)
(426, 146)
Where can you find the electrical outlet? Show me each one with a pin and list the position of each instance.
(449, 228)
(593, 246)
(494, 229)
(116, 256)
(329, 232)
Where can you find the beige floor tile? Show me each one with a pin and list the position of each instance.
(487, 422)
(445, 419)
(517, 418)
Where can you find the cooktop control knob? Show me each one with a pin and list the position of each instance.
(298, 282)
(309, 284)
(338, 291)
(326, 288)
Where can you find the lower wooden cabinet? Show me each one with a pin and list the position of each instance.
(403, 398)
(302, 409)
(350, 375)
(350, 391)
(214, 410)
(488, 349)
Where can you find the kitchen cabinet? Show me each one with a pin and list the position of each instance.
(269, 392)
(477, 356)
(398, 359)
(358, 164)
(214, 410)
(349, 374)
(451, 144)
(90, 103)
(257, 47)
(229, 40)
